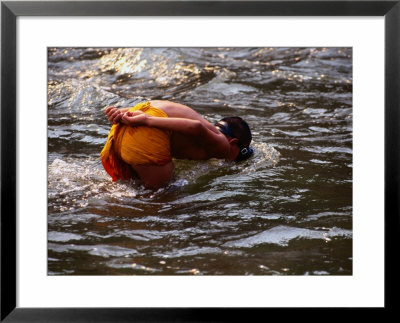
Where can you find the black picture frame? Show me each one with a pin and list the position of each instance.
(10, 10)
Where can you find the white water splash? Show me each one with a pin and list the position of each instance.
(75, 183)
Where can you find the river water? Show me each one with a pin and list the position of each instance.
(286, 211)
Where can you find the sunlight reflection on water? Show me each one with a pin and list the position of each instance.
(287, 210)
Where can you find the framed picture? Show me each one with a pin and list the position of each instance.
(314, 209)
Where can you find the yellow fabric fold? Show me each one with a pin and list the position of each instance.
(130, 146)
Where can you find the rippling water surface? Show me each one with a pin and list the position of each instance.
(286, 211)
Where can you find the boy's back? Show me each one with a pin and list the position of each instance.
(183, 146)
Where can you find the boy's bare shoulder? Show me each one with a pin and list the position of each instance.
(174, 109)
(167, 104)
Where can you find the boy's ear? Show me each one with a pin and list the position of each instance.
(233, 141)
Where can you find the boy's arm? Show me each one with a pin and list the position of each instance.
(190, 127)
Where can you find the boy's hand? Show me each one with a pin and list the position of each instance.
(113, 114)
(134, 119)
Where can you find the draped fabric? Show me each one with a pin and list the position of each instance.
(130, 146)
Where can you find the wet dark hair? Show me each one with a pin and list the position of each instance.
(236, 127)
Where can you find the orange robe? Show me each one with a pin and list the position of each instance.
(130, 146)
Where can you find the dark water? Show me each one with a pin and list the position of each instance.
(286, 211)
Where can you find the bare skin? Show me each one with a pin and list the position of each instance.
(192, 137)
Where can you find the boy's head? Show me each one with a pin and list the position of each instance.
(236, 127)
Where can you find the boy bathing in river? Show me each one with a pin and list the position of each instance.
(144, 139)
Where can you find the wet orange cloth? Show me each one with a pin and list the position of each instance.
(130, 146)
